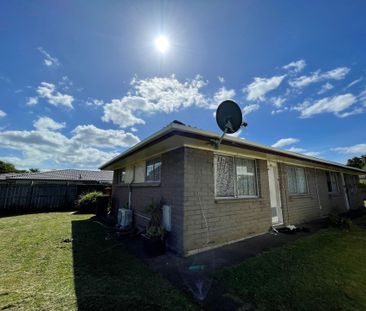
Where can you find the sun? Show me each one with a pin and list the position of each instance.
(162, 44)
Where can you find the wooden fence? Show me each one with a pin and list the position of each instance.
(28, 197)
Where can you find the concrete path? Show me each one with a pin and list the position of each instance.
(194, 273)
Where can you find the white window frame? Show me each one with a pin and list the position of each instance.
(306, 181)
(155, 160)
(335, 174)
(235, 177)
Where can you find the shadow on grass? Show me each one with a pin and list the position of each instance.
(106, 277)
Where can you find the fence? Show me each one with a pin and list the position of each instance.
(20, 197)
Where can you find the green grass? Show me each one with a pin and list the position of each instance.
(40, 269)
(325, 271)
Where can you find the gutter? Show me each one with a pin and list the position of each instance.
(186, 131)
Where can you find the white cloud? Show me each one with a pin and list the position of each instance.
(336, 105)
(355, 149)
(84, 149)
(285, 142)
(221, 79)
(335, 74)
(155, 95)
(2, 114)
(261, 86)
(53, 97)
(278, 101)
(350, 113)
(250, 108)
(46, 123)
(296, 66)
(221, 95)
(32, 101)
(353, 83)
(96, 137)
(325, 88)
(49, 61)
(94, 102)
(297, 149)
(236, 134)
(134, 129)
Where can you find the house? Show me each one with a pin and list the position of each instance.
(51, 190)
(219, 196)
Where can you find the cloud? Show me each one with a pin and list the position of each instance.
(278, 101)
(261, 86)
(236, 134)
(94, 102)
(336, 105)
(304, 151)
(285, 142)
(297, 149)
(53, 97)
(221, 95)
(335, 74)
(250, 108)
(325, 88)
(93, 136)
(2, 114)
(350, 113)
(355, 149)
(46, 123)
(49, 61)
(134, 129)
(221, 79)
(353, 83)
(87, 147)
(148, 96)
(32, 101)
(296, 66)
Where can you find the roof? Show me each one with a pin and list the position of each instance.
(66, 175)
(179, 128)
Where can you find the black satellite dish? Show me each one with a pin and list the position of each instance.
(229, 118)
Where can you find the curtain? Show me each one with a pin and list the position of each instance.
(245, 177)
(224, 176)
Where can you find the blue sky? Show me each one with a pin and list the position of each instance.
(82, 81)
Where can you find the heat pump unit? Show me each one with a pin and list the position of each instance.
(124, 218)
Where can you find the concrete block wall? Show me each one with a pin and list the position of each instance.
(210, 222)
(170, 189)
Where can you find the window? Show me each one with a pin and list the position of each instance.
(153, 170)
(296, 179)
(119, 176)
(332, 182)
(235, 177)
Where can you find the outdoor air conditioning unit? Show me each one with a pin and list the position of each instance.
(124, 218)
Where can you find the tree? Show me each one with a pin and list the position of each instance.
(6, 167)
(358, 162)
(34, 170)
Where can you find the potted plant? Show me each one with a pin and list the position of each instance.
(154, 238)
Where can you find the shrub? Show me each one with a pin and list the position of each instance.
(86, 202)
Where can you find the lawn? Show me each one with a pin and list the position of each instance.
(325, 271)
(59, 261)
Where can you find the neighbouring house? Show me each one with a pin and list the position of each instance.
(51, 190)
(219, 196)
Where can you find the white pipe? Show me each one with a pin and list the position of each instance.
(129, 188)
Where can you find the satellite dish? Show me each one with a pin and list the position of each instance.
(229, 118)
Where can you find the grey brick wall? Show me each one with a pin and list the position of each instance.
(227, 220)
(170, 188)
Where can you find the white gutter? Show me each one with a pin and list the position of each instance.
(187, 129)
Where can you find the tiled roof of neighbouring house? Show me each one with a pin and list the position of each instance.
(67, 175)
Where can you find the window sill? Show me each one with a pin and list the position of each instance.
(237, 200)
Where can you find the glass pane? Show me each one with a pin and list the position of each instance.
(291, 180)
(301, 180)
(224, 176)
(245, 177)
